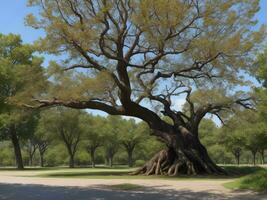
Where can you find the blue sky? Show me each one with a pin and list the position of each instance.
(13, 12)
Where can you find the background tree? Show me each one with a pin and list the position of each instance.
(64, 124)
(130, 137)
(112, 131)
(133, 51)
(17, 62)
(93, 134)
(235, 142)
(43, 138)
(31, 147)
(261, 92)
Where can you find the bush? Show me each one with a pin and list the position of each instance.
(139, 163)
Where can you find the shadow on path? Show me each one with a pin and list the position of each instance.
(39, 192)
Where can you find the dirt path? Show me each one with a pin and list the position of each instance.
(13, 186)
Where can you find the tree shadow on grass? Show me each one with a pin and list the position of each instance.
(234, 172)
(93, 173)
(38, 192)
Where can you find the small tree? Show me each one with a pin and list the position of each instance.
(64, 124)
(93, 131)
(43, 139)
(255, 141)
(131, 136)
(233, 137)
(112, 131)
(31, 147)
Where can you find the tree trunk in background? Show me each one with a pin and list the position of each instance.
(237, 159)
(110, 161)
(254, 157)
(71, 161)
(92, 153)
(42, 147)
(262, 156)
(30, 160)
(130, 158)
(237, 156)
(41, 159)
(16, 146)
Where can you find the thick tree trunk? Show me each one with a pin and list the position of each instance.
(17, 150)
(184, 155)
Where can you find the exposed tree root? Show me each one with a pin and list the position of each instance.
(171, 163)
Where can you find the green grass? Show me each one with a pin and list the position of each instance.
(256, 181)
(123, 173)
(242, 170)
(125, 186)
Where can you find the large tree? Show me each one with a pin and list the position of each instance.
(136, 58)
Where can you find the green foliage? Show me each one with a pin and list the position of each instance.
(139, 163)
(20, 70)
(222, 45)
(6, 155)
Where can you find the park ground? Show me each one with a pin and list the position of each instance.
(116, 184)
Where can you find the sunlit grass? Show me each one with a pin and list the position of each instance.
(122, 172)
(256, 181)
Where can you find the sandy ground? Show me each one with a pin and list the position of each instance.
(16, 185)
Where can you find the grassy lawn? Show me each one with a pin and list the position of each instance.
(256, 180)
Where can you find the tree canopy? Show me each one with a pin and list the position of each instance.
(122, 53)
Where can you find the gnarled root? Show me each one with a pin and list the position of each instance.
(171, 163)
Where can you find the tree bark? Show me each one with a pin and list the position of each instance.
(184, 155)
(17, 150)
